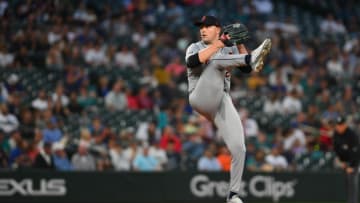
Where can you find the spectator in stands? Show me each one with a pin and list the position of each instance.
(8, 122)
(116, 99)
(18, 157)
(208, 162)
(292, 103)
(144, 99)
(298, 52)
(103, 86)
(41, 103)
(335, 66)
(323, 100)
(86, 98)
(52, 132)
(45, 160)
(251, 127)
(3, 159)
(224, 158)
(4, 142)
(295, 84)
(272, 105)
(277, 84)
(27, 127)
(12, 84)
(175, 68)
(193, 143)
(119, 160)
(331, 26)
(14, 103)
(74, 77)
(142, 38)
(291, 135)
(126, 58)
(3, 93)
(95, 55)
(170, 136)
(74, 107)
(347, 100)
(148, 132)
(59, 110)
(159, 154)
(276, 159)
(174, 158)
(100, 133)
(54, 59)
(83, 160)
(61, 160)
(132, 99)
(145, 162)
(258, 163)
(175, 14)
(263, 142)
(60, 95)
(6, 58)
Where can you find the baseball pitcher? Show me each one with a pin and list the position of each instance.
(209, 64)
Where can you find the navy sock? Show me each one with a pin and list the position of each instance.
(248, 59)
(232, 194)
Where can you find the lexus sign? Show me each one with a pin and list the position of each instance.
(30, 187)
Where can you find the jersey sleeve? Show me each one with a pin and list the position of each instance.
(191, 50)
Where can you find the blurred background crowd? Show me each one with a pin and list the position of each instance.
(101, 85)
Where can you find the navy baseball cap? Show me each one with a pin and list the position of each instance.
(207, 21)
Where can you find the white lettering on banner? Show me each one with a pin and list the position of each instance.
(25, 187)
(267, 186)
(259, 186)
(201, 186)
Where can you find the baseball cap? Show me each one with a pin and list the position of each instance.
(340, 120)
(208, 21)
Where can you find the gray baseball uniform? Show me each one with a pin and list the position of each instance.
(209, 86)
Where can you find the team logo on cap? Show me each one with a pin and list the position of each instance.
(203, 18)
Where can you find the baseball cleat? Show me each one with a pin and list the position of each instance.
(258, 55)
(234, 199)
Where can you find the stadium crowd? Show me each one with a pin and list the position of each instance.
(287, 110)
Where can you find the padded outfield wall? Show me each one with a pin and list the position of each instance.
(115, 187)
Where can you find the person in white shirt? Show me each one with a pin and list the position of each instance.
(159, 154)
(116, 98)
(292, 103)
(96, 55)
(272, 105)
(118, 158)
(60, 95)
(8, 121)
(292, 136)
(126, 58)
(276, 160)
(41, 102)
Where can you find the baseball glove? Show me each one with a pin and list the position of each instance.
(237, 32)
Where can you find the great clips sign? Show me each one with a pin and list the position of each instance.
(258, 186)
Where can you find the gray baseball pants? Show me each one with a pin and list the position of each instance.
(209, 99)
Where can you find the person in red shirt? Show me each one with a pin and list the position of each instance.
(132, 100)
(169, 136)
(143, 98)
